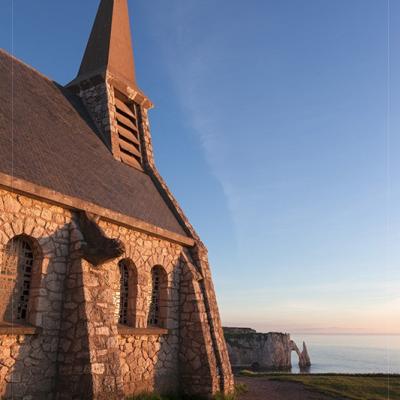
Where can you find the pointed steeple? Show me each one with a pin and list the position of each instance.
(107, 86)
(110, 45)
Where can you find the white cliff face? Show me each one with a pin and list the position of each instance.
(272, 351)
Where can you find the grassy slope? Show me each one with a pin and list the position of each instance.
(354, 387)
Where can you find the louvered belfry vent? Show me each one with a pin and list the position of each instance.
(127, 117)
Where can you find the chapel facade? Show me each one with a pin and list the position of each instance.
(105, 287)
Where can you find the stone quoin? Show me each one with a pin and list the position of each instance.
(105, 287)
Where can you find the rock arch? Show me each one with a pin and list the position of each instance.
(304, 358)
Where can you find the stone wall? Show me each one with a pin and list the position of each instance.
(73, 346)
(149, 362)
(28, 362)
(157, 361)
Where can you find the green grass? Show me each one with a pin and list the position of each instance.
(239, 389)
(155, 396)
(148, 396)
(354, 387)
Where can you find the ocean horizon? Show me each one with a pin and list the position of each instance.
(350, 353)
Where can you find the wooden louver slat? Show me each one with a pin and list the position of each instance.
(132, 161)
(122, 106)
(128, 135)
(126, 121)
(128, 147)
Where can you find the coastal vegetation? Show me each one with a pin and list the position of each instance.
(349, 386)
(239, 389)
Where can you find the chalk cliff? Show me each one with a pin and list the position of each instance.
(269, 351)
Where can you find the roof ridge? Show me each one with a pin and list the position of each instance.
(23, 63)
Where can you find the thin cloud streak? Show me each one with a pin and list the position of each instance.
(192, 64)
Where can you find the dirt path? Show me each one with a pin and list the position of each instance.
(264, 389)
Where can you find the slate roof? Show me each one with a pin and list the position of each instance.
(55, 145)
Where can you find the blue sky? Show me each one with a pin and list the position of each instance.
(276, 127)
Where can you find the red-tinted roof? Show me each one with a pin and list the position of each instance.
(110, 45)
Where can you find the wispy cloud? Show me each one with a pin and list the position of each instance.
(191, 66)
(349, 300)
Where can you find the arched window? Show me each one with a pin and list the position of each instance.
(127, 292)
(16, 279)
(123, 292)
(158, 301)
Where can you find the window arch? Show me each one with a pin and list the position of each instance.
(159, 297)
(127, 292)
(16, 276)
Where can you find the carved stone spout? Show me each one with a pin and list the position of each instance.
(98, 248)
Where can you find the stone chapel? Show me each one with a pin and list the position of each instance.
(105, 287)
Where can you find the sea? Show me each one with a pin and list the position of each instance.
(351, 354)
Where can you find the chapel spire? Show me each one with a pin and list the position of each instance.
(109, 49)
(107, 86)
